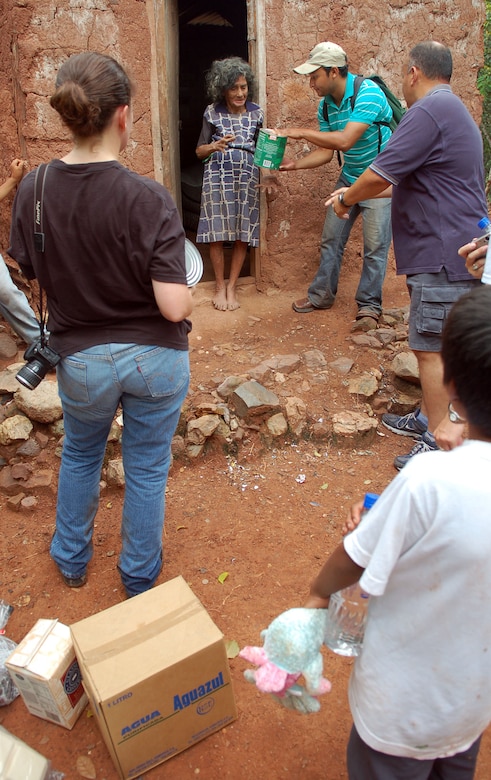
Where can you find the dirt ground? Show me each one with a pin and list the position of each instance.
(247, 515)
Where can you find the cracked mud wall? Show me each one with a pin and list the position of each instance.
(38, 35)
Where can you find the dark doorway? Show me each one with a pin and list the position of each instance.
(208, 30)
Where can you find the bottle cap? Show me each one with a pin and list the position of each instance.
(484, 223)
(369, 500)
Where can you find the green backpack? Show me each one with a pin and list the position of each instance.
(398, 109)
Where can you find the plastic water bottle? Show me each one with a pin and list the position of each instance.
(347, 611)
(484, 224)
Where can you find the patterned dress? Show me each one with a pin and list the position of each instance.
(229, 197)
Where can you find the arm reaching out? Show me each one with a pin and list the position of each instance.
(338, 572)
(17, 170)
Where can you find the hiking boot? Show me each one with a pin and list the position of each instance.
(74, 582)
(366, 319)
(426, 444)
(364, 324)
(405, 425)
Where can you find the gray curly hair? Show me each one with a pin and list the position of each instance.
(224, 73)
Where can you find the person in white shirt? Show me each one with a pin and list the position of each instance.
(420, 691)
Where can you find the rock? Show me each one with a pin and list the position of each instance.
(42, 404)
(227, 387)
(115, 472)
(194, 450)
(365, 385)
(405, 366)
(364, 340)
(402, 403)
(320, 429)
(28, 504)
(8, 382)
(342, 365)
(350, 428)
(262, 372)
(30, 449)
(252, 399)
(8, 484)
(277, 425)
(178, 445)
(13, 502)
(385, 335)
(296, 413)
(114, 432)
(14, 428)
(42, 439)
(8, 347)
(285, 364)
(40, 481)
(201, 429)
(314, 359)
(399, 315)
(21, 471)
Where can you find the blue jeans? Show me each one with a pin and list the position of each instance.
(377, 235)
(365, 763)
(150, 383)
(14, 307)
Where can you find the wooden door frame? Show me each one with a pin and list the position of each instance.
(164, 95)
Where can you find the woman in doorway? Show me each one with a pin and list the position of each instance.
(230, 194)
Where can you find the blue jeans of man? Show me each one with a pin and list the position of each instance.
(14, 307)
(150, 384)
(377, 234)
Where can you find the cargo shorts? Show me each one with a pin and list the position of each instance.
(432, 297)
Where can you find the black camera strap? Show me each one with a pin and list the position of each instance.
(39, 184)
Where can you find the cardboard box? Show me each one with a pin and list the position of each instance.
(18, 761)
(156, 672)
(45, 671)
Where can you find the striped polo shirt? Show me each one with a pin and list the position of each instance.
(370, 106)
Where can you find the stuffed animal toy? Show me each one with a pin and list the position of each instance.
(291, 648)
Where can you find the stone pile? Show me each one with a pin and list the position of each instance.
(254, 406)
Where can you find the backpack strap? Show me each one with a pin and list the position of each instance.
(358, 82)
(325, 114)
(356, 88)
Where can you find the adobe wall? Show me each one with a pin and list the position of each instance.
(376, 34)
(38, 35)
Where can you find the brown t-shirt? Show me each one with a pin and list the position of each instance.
(108, 233)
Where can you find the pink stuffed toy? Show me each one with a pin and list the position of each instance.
(291, 648)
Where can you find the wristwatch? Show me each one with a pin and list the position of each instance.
(341, 200)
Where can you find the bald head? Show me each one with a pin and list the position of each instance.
(433, 59)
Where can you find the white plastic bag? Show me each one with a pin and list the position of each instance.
(8, 691)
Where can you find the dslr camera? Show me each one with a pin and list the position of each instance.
(40, 359)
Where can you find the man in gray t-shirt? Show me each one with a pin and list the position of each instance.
(434, 166)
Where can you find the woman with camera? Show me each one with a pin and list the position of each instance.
(113, 270)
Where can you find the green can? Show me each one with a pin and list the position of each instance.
(270, 149)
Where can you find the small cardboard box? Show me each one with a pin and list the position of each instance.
(156, 672)
(18, 761)
(45, 671)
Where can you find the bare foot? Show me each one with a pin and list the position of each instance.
(220, 299)
(232, 302)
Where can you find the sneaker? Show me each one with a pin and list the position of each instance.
(405, 425)
(427, 443)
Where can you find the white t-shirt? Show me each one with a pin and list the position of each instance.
(421, 687)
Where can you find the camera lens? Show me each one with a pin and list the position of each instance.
(31, 374)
